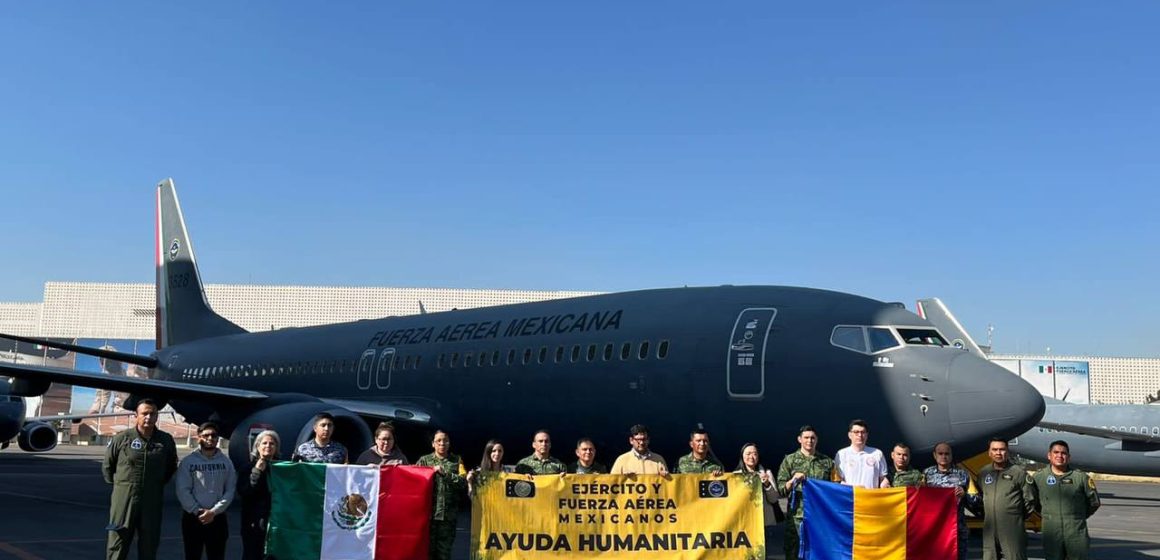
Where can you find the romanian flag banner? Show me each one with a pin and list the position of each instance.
(322, 511)
(639, 517)
(848, 523)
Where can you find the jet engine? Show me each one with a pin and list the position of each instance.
(294, 423)
(37, 437)
(23, 387)
(12, 411)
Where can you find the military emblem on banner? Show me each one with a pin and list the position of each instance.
(519, 489)
(714, 489)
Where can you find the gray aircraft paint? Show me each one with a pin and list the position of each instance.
(1106, 438)
(749, 363)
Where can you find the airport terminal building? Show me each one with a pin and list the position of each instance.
(121, 316)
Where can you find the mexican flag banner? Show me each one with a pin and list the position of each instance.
(325, 511)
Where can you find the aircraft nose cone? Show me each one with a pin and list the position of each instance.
(986, 400)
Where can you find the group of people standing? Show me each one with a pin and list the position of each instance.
(1006, 493)
(141, 460)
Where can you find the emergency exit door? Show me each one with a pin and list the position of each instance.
(745, 362)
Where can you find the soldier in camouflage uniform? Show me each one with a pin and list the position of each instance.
(806, 462)
(138, 463)
(1065, 497)
(1007, 497)
(541, 461)
(946, 475)
(700, 460)
(903, 474)
(450, 480)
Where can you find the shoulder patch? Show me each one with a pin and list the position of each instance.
(1091, 483)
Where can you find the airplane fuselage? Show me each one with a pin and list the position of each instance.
(747, 363)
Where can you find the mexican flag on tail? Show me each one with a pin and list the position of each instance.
(349, 511)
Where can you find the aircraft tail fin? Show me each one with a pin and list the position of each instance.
(933, 310)
(183, 313)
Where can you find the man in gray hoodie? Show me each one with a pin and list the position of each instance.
(205, 487)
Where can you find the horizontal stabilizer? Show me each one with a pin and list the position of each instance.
(1134, 437)
(136, 359)
(139, 386)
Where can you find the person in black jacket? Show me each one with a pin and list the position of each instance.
(253, 486)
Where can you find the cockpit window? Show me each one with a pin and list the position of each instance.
(882, 339)
(922, 337)
(849, 337)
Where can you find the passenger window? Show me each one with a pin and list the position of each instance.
(663, 350)
(881, 339)
(559, 354)
(454, 359)
(591, 352)
(418, 360)
(849, 338)
(439, 362)
(643, 352)
(527, 356)
(511, 359)
(626, 351)
(467, 359)
(608, 351)
(495, 357)
(543, 355)
(575, 353)
(407, 363)
(482, 359)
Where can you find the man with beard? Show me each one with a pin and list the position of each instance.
(205, 488)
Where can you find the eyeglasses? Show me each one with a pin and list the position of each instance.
(640, 438)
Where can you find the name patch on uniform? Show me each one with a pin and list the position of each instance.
(1008, 477)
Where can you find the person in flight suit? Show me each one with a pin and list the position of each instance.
(903, 474)
(1065, 497)
(1007, 501)
(138, 463)
(806, 462)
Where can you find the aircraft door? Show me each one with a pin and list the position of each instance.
(383, 372)
(745, 361)
(365, 363)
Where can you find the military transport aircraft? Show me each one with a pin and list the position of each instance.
(747, 363)
(1105, 438)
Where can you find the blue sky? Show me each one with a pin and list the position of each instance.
(1002, 156)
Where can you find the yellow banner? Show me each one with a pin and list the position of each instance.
(618, 516)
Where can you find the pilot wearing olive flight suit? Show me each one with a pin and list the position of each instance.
(1007, 501)
(1065, 497)
(138, 463)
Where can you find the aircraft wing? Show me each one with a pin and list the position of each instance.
(386, 410)
(1100, 432)
(79, 417)
(136, 385)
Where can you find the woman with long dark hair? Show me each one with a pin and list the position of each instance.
(750, 463)
(491, 463)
